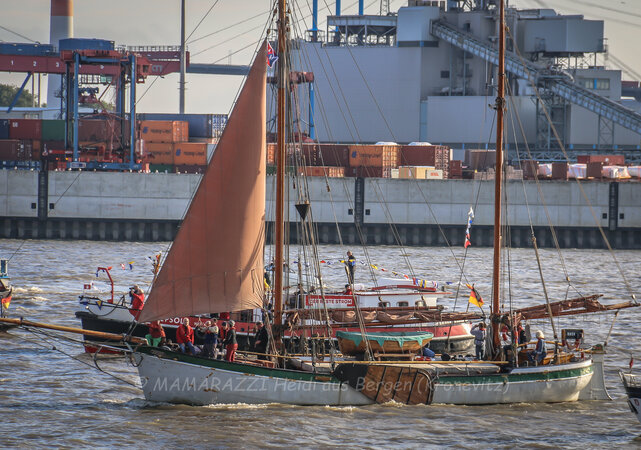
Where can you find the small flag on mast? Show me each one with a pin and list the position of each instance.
(272, 57)
(470, 219)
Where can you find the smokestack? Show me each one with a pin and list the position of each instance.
(61, 27)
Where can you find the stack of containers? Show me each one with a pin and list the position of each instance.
(165, 145)
(417, 154)
(373, 160)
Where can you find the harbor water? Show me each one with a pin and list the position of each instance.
(53, 395)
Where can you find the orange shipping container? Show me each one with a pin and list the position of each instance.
(321, 171)
(158, 152)
(164, 131)
(190, 153)
(374, 156)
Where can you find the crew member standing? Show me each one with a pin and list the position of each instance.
(261, 340)
(350, 264)
(479, 333)
(137, 297)
(231, 344)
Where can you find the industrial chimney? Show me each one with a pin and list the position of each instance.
(61, 27)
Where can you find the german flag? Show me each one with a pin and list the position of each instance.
(475, 297)
(7, 300)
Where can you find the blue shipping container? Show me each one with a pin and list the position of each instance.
(85, 44)
(4, 129)
(10, 48)
(200, 125)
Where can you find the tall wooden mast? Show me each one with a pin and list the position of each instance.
(500, 105)
(279, 228)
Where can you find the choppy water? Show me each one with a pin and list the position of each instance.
(49, 399)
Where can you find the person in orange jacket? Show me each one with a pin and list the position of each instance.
(185, 337)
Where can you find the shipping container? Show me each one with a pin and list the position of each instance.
(10, 150)
(200, 125)
(425, 155)
(14, 48)
(190, 153)
(383, 156)
(594, 169)
(322, 171)
(85, 44)
(158, 153)
(610, 160)
(455, 169)
(164, 131)
(53, 130)
(369, 172)
(480, 159)
(420, 172)
(25, 129)
(103, 130)
(4, 128)
(161, 168)
(560, 171)
(190, 168)
(530, 169)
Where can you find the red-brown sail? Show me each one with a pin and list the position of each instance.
(216, 261)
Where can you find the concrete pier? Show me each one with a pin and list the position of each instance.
(149, 207)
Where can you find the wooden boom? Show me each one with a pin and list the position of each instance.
(98, 334)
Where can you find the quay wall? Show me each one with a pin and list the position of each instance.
(149, 207)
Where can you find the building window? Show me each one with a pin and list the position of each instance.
(367, 212)
(52, 205)
(445, 73)
(604, 215)
(602, 84)
(621, 216)
(350, 212)
(34, 206)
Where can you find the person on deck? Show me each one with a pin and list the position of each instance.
(156, 334)
(506, 342)
(262, 340)
(185, 337)
(427, 352)
(211, 339)
(479, 333)
(137, 297)
(540, 351)
(350, 264)
(231, 345)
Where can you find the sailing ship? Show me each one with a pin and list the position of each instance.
(632, 385)
(216, 264)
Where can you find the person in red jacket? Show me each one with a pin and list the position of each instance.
(156, 334)
(185, 337)
(137, 297)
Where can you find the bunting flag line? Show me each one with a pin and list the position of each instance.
(475, 297)
(470, 219)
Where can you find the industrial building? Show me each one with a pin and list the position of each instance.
(427, 73)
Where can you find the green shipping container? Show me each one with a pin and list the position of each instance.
(161, 168)
(53, 130)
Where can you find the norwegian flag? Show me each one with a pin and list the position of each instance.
(272, 57)
(470, 220)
